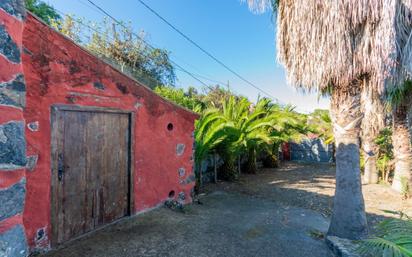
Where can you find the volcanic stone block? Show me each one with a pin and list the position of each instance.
(180, 149)
(181, 172)
(191, 178)
(8, 47)
(32, 162)
(182, 196)
(14, 7)
(12, 200)
(13, 92)
(99, 85)
(12, 145)
(13, 242)
(33, 126)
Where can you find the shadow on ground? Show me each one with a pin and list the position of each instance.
(278, 212)
(225, 224)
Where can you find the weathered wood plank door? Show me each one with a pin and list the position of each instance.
(91, 170)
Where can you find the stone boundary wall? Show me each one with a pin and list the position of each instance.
(311, 150)
(12, 126)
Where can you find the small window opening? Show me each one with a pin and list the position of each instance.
(170, 126)
(171, 194)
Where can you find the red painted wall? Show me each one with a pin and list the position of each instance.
(57, 71)
(8, 71)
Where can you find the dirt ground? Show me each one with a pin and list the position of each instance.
(312, 186)
(278, 212)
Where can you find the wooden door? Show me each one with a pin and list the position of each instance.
(90, 175)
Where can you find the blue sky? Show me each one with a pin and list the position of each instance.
(226, 28)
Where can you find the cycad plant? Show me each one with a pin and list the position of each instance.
(287, 125)
(210, 131)
(254, 130)
(241, 128)
(393, 238)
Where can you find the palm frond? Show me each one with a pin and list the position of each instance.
(393, 237)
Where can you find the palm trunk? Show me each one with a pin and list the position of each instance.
(251, 161)
(228, 168)
(370, 149)
(348, 218)
(402, 151)
(373, 122)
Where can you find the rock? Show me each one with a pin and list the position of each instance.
(99, 85)
(33, 126)
(13, 243)
(191, 178)
(342, 247)
(182, 196)
(14, 7)
(12, 145)
(182, 172)
(180, 149)
(13, 92)
(8, 47)
(31, 162)
(12, 200)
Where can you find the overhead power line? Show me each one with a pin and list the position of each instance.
(205, 51)
(149, 45)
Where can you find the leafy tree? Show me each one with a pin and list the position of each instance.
(385, 153)
(190, 100)
(42, 10)
(216, 95)
(320, 123)
(120, 46)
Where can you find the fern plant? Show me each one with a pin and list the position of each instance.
(393, 238)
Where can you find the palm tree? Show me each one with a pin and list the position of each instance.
(288, 125)
(341, 47)
(372, 124)
(399, 101)
(210, 131)
(250, 130)
(393, 237)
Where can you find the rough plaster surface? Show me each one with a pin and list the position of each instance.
(57, 71)
(13, 243)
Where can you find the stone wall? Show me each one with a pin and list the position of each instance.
(311, 150)
(12, 126)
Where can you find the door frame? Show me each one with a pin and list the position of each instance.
(53, 161)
